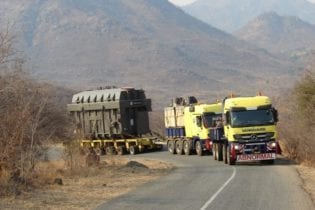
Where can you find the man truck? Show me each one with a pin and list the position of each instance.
(188, 124)
(248, 132)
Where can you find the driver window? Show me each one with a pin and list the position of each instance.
(227, 119)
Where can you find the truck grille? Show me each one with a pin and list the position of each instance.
(254, 137)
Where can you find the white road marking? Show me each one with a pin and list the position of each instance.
(218, 192)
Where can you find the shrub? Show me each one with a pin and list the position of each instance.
(297, 128)
(30, 116)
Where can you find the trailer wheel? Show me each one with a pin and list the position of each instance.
(179, 147)
(121, 150)
(133, 150)
(110, 150)
(98, 151)
(171, 147)
(103, 152)
(187, 149)
(198, 147)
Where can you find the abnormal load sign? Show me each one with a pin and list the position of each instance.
(261, 156)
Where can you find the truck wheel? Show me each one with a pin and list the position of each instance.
(224, 154)
(179, 147)
(230, 161)
(171, 147)
(198, 147)
(133, 150)
(220, 152)
(215, 151)
(121, 150)
(187, 149)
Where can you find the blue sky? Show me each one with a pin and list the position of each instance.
(184, 2)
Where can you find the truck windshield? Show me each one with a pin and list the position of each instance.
(251, 118)
(209, 119)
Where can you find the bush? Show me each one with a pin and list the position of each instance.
(297, 129)
(31, 115)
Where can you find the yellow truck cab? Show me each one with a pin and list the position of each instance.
(199, 118)
(249, 132)
(188, 125)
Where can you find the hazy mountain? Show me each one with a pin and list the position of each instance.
(142, 43)
(286, 35)
(231, 15)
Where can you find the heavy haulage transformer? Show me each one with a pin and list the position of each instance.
(113, 120)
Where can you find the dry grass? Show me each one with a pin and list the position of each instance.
(307, 174)
(87, 189)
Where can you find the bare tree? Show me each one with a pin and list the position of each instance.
(6, 49)
(31, 114)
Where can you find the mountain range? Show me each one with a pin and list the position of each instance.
(286, 35)
(231, 15)
(142, 43)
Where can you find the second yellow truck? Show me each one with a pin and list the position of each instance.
(188, 126)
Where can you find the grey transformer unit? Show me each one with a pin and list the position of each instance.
(111, 113)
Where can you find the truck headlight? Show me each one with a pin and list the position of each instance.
(272, 144)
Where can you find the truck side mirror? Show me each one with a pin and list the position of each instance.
(198, 121)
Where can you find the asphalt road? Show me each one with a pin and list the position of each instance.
(202, 183)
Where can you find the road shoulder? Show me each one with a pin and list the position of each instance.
(91, 186)
(307, 175)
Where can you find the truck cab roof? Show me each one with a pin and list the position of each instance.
(246, 102)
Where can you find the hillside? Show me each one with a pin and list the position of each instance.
(278, 34)
(231, 15)
(143, 43)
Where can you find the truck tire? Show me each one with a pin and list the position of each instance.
(215, 151)
(133, 150)
(220, 152)
(179, 147)
(230, 161)
(198, 147)
(187, 149)
(224, 153)
(171, 147)
(121, 150)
